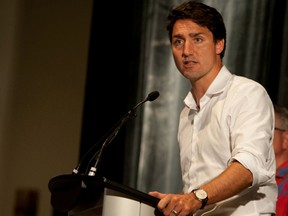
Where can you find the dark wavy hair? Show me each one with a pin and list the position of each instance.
(201, 14)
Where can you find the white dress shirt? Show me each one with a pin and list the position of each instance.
(235, 122)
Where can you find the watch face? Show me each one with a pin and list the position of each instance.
(201, 194)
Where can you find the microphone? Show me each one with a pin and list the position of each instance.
(114, 131)
(151, 97)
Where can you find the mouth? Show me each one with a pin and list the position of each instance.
(189, 63)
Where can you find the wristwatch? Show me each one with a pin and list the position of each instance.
(201, 195)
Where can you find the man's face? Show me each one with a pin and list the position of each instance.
(194, 50)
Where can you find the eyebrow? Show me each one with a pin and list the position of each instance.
(196, 34)
(191, 35)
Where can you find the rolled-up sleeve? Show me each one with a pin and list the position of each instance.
(252, 130)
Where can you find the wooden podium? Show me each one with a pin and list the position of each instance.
(82, 195)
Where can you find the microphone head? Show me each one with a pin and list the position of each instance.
(153, 96)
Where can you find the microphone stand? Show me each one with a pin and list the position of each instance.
(111, 135)
(109, 139)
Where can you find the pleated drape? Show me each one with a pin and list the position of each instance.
(256, 48)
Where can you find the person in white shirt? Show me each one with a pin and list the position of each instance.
(226, 127)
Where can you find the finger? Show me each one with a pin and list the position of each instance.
(157, 194)
(174, 212)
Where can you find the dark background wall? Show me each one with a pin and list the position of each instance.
(112, 79)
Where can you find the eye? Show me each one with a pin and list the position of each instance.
(198, 40)
(177, 42)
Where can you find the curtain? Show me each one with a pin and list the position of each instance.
(256, 48)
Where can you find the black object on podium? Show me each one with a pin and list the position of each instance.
(78, 193)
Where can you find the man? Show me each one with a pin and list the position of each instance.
(280, 144)
(226, 126)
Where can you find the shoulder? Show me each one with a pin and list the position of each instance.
(243, 85)
(246, 94)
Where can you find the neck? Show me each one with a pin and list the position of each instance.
(200, 86)
(280, 161)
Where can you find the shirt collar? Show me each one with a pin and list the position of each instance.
(217, 86)
(219, 83)
(282, 170)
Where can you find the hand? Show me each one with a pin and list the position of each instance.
(176, 204)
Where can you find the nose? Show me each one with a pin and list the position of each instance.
(188, 49)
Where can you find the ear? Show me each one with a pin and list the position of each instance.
(220, 46)
(285, 139)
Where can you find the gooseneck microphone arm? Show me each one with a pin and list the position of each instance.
(130, 114)
(108, 140)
